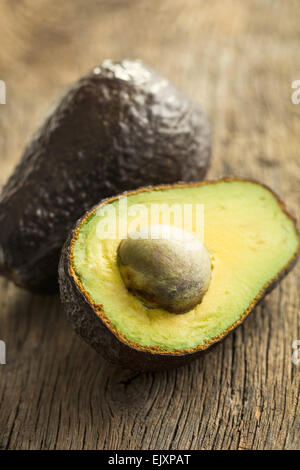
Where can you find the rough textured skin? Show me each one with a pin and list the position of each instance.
(94, 328)
(120, 127)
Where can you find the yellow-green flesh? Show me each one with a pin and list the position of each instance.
(247, 234)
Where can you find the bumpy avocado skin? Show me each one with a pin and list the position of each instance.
(88, 324)
(120, 127)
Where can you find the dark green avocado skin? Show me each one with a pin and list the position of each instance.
(118, 128)
(96, 333)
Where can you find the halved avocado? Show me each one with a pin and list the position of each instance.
(252, 242)
(120, 127)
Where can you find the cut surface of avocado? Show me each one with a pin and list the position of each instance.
(247, 233)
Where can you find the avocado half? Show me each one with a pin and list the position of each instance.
(120, 127)
(253, 243)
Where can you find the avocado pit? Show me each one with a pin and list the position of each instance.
(166, 267)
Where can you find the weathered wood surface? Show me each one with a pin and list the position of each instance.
(238, 59)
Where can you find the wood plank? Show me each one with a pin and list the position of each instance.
(238, 60)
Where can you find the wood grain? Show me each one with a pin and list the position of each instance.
(238, 60)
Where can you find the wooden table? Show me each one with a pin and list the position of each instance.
(238, 59)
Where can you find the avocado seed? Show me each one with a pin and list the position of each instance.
(165, 267)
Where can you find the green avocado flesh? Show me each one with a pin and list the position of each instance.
(250, 240)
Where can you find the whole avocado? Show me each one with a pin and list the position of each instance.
(120, 127)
